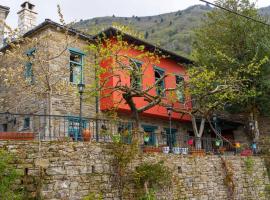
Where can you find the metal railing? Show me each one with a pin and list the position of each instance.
(208, 144)
(61, 128)
(73, 128)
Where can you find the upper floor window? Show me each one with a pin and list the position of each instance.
(159, 73)
(28, 71)
(136, 74)
(76, 66)
(180, 92)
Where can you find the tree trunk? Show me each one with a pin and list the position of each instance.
(48, 131)
(135, 116)
(198, 143)
(255, 131)
(198, 134)
(146, 189)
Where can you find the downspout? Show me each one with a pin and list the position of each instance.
(97, 100)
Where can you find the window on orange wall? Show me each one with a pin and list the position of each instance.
(159, 73)
(136, 74)
(180, 84)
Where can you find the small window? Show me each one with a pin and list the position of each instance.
(159, 73)
(26, 123)
(180, 92)
(28, 72)
(76, 66)
(136, 74)
(150, 137)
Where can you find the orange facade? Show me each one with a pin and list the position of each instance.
(112, 98)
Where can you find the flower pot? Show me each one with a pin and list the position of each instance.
(86, 135)
(198, 152)
(176, 150)
(166, 150)
(184, 151)
(148, 149)
(16, 136)
(116, 138)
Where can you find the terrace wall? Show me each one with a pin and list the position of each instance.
(71, 171)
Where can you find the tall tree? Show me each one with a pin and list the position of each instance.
(232, 46)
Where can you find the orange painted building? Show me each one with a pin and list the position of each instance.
(171, 64)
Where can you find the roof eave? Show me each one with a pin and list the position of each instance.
(151, 47)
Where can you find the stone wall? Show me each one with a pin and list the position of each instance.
(70, 171)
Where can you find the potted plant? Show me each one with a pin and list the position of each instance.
(151, 149)
(116, 138)
(184, 151)
(86, 135)
(166, 149)
(198, 152)
(176, 150)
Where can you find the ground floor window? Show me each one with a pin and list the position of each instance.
(150, 137)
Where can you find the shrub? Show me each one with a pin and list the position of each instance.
(9, 190)
(150, 176)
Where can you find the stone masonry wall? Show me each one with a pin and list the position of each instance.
(70, 171)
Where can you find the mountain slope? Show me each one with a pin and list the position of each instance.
(172, 31)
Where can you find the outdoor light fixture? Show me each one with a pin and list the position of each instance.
(81, 87)
(215, 118)
(251, 125)
(169, 111)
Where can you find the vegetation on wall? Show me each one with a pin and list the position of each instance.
(149, 177)
(229, 177)
(249, 163)
(123, 154)
(9, 186)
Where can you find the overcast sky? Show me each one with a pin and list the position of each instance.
(85, 9)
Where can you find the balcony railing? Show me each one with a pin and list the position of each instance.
(73, 128)
(61, 128)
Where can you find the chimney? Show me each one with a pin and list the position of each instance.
(3, 15)
(27, 17)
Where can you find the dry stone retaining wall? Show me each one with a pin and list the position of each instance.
(70, 171)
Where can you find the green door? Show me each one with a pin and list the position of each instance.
(171, 138)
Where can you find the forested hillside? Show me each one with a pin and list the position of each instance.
(172, 31)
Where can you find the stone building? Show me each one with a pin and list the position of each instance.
(57, 55)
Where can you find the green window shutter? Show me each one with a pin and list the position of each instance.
(76, 62)
(28, 72)
(180, 81)
(158, 74)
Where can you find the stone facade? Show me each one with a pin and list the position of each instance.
(54, 46)
(3, 15)
(27, 17)
(70, 171)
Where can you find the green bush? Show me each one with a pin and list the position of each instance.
(9, 189)
(149, 196)
(249, 162)
(93, 196)
(151, 176)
